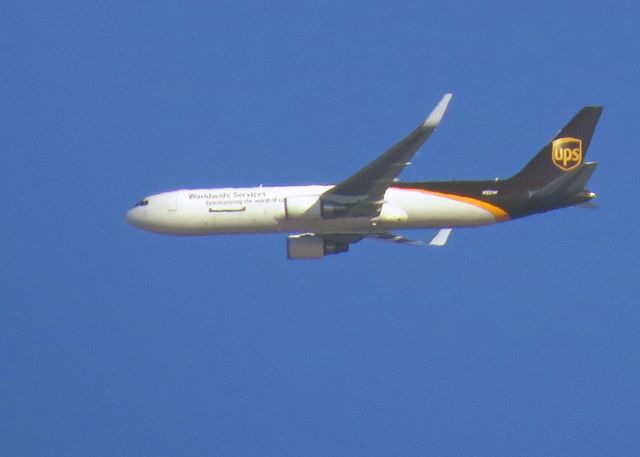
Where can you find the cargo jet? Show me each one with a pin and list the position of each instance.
(372, 203)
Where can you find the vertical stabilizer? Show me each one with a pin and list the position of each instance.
(564, 153)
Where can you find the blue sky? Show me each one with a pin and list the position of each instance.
(515, 339)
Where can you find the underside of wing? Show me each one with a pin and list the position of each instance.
(362, 194)
(317, 246)
(440, 239)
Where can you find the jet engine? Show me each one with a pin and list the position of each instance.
(331, 210)
(310, 246)
(312, 207)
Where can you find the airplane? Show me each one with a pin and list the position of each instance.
(372, 203)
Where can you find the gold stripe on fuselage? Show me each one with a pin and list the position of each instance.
(500, 214)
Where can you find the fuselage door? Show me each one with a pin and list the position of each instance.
(173, 202)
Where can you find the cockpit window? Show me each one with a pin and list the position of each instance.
(142, 203)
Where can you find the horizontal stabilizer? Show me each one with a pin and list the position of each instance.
(568, 184)
(587, 205)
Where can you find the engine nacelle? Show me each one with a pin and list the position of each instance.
(313, 247)
(311, 207)
(331, 210)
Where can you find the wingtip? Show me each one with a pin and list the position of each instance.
(436, 115)
(441, 237)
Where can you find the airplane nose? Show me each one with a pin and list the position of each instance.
(137, 216)
(132, 217)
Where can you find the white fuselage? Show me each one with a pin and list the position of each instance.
(265, 209)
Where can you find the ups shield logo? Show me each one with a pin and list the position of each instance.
(566, 153)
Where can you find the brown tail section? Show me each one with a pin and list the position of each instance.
(564, 153)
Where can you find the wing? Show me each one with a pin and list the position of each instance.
(362, 194)
(439, 240)
(317, 246)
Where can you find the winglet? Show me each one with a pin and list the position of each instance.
(436, 115)
(441, 237)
